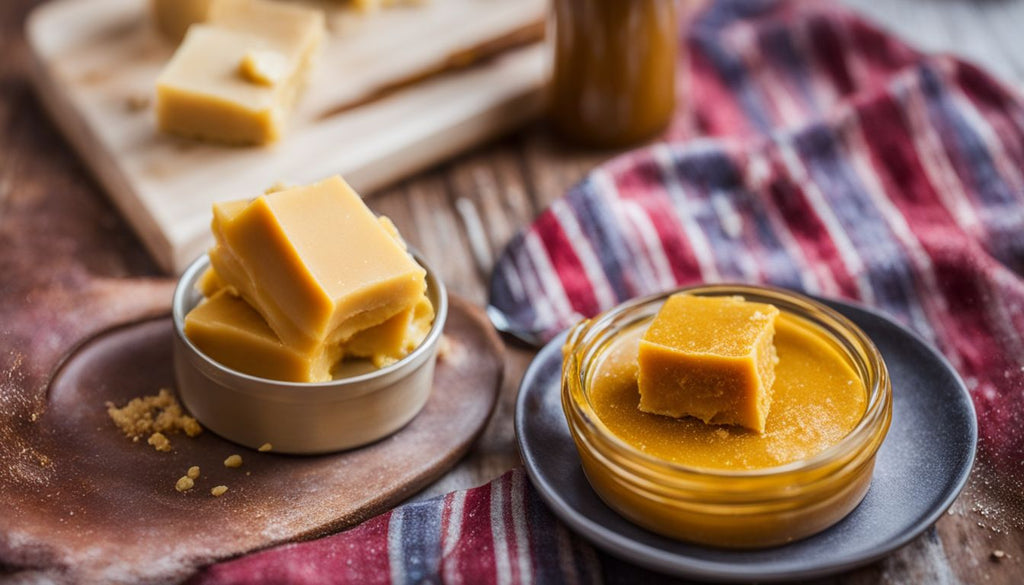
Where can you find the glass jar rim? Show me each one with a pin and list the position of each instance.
(856, 344)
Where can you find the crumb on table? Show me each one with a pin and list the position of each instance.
(193, 472)
(153, 415)
(219, 490)
(191, 426)
(265, 447)
(159, 442)
(233, 461)
(184, 484)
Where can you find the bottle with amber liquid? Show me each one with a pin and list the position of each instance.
(612, 69)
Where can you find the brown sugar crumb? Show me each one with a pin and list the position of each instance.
(149, 415)
(159, 442)
(184, 484)
(193, 472)
(191, 426)
(219, 490)
(265, 447)
(233, 461)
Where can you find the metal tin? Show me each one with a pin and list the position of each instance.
(295, 417)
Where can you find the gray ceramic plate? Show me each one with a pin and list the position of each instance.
(920, 469)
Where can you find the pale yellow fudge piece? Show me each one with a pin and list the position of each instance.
(389, 227)
(395, 338)
(209, 283)
(287, 23)
(236, 78)
(315, 262)
(382, 344)
(712, 358)
(173, 17)
(226, 329)
(223, 212)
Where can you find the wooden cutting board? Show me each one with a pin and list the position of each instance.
(391, 95)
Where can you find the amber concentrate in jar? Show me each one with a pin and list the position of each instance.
(613, 69)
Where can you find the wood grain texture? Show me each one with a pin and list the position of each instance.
(94, 262)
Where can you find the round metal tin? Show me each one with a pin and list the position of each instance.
(295, 417)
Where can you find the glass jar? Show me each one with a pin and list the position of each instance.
(735, 509)
(613, 69)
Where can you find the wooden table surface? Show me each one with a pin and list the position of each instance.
(460, 215)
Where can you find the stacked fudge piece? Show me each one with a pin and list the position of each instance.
(303, 278)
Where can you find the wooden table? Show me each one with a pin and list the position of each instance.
(460, 215)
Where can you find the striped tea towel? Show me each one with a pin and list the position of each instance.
(498, 533)
(832, 160)
(820, 155)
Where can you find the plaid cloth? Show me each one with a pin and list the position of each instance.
(829, 158)
(813, 152)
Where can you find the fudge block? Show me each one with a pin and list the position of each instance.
(225, 328)
(382, 344)
(209, 283)
(315, 262)
(712, 358)
(395, 338)
(236, 77)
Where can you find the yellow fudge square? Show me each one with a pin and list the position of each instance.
(209, 283)
(315, 262)
(382, 344)
(226, 329)
(712, 358)
(291, 26)
(395, 338)
(235, 78)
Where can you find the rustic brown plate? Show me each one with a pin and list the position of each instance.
(96, 507)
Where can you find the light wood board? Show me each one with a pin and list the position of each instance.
(96, 62)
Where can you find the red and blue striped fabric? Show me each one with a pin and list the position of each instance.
(811, 151)
(816, 153)
(498, 533)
